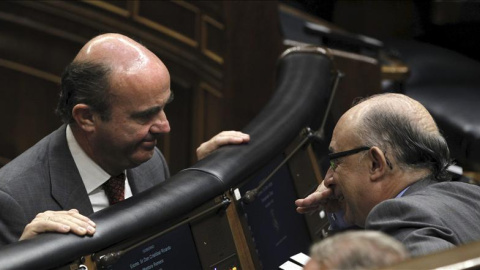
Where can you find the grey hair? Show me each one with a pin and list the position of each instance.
(358, 250)
(404, 129)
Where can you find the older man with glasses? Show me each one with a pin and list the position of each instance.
(388, 172)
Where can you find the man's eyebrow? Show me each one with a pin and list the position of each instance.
(153, 110)
(147, 113)
(170, 98)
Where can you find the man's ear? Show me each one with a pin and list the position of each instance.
(84, 117)
(378, 163)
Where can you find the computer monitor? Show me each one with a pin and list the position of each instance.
(202, 239)
(172, 250)
(277, 230)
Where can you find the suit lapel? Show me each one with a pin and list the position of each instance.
(137, 181)
(67, 185)
(148, 174)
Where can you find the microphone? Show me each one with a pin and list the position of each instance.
(251, 195)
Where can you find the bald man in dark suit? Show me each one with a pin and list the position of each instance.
(389, 173)
(112, 103)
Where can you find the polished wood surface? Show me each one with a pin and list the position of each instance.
(461, 257)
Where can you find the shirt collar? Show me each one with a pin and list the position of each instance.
(402, 192)
(92, 174)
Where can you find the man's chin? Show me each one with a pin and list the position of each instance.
(148, 145)
(145, 156)
(347, 217)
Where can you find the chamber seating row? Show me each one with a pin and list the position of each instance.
(448, 84)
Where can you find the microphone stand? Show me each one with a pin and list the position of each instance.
(317, 136)
(251, 195)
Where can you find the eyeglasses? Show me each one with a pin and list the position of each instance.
(332, 157)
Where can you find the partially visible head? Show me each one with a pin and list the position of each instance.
(114, 93)
(401, 143)
(355, 250)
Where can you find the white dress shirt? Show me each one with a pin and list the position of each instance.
(93, 176)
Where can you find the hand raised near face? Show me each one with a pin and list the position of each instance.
(60, 222)
(222, 138)
(322, 197)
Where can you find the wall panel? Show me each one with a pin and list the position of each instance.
(26, 111)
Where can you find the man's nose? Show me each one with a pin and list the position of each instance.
(328, 180)
(161, 124)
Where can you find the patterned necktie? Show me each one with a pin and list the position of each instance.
(115, 188)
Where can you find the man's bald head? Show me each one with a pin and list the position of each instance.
(117, 51)
(356, 250)
(397, 104)
(403, 127)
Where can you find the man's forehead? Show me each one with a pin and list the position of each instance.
(343, 135)
(135, 102)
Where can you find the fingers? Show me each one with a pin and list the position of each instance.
(322, 197)
(232, 135)
(60, 222)
(223, 138)
(313, 202)
(308, 210)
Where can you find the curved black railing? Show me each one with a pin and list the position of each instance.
(305, 79)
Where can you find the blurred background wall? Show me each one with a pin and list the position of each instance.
(221, 55)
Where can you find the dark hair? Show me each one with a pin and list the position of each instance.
(87, 83)
(411, 145)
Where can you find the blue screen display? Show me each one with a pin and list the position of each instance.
(172, 250)
(279, 232)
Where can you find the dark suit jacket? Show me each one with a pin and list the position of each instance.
(430, 216)
(45, 177)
